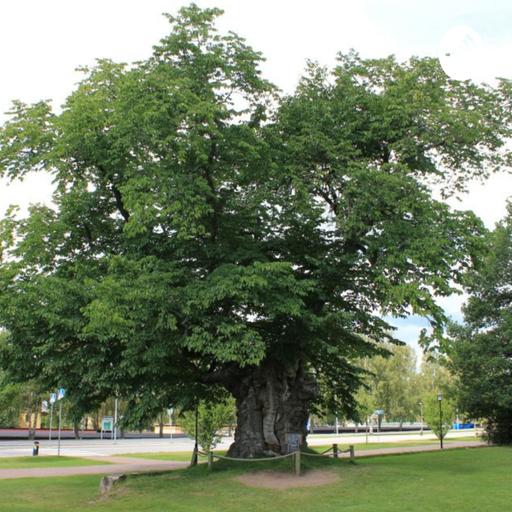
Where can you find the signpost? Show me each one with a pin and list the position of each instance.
(61, 393)
(379, 413)
(53, 399)
(169, 412)
(115, 420)
(107, 425)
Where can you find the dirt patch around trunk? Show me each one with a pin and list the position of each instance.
(275, 480)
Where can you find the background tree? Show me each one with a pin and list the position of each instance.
(12, 404)
(390, 384)
(435, 376)
(208, 235)
(212, 418)
(394, 383)
(440, 424)
(480, 350)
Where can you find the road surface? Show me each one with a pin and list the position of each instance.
(107, 447)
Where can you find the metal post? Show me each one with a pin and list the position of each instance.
(297, 463)
(421, 418)
(170, 411)
(51, 420)
(60, 424)
(337, 426)
(440, 399)
(115, 420)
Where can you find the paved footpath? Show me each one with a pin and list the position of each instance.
(117, 465)
(136, 465)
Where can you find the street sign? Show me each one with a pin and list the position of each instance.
(379, 412)
(53, 398)
(293, 442)
(61, 393)
(44, 406)
(107, 424)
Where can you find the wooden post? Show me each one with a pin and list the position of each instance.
(352, 454)
(210, 460)
(297, 463)
(335, 450)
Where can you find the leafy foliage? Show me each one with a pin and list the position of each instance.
(392, 384)
(481, 349)
(211, 419)
(203, 225)
(440, 422)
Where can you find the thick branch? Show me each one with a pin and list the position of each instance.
(119, 203)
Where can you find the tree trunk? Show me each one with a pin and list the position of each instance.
(76, 429)
(271, 402)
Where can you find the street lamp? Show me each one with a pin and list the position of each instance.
(420, 403)
(440, 399)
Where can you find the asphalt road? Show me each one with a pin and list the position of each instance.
(106, 447)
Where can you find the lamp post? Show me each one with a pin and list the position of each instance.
(421, 416)
(440, 399)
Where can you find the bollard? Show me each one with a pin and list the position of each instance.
(335, 450)
(35, 449)
(297, 463)
(352, 454)
(210, 460)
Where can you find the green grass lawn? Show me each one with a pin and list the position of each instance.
(396, 444)
(186, 456)
(177, 456)
(45, 461)
(456, 481)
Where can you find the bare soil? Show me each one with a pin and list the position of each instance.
(275, 480)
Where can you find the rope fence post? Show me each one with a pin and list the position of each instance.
(335, 450)
(297, 463)
(210, 460)
(351, 450)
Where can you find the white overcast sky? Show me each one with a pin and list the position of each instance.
(43, 41)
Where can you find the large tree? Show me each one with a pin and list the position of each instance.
(208, 235)
(480, 351)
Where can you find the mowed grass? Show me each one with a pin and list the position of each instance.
(185, 456)
(45, 461)
(395, 444)
(456, 480)
(174, 456)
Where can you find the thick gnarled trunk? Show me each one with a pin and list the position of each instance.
(271, 402)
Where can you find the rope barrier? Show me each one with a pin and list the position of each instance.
(313, 454)
(254, 460)
(295, 456)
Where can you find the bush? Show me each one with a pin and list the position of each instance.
(212, 418)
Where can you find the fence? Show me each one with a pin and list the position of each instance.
(295, 456)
